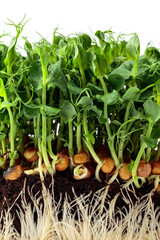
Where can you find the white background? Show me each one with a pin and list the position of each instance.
(70, 16)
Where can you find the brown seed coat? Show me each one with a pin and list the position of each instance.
(31, 154)
(63, 163)
(156, 167)
(13, 173)
(108, 165)
(124, 173)
(80, 158)
(144, 169)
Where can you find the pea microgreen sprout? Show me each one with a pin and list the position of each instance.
(43, 50)
(9, 62)
(81, 172)
(74, 97)
(12, 131)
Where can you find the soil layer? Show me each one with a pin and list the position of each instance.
(63, 184)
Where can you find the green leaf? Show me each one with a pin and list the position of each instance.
(99, 64)
(50, 137)
(151, 142)
(3, 53)
(72, 87)
(14, 154)
(118, 76)
(155, 132)
(80, 57)
(56, 77)
(95, 89)
(152, 54)
(124, 70)
(85, 102)
(68, 111)
(90, 137)
(132, 93)
(152, 110)
(100, 35)
(101, 119)
(130, 166)
(84, 40)
(5, 104)
(35, 75)
(133, 47)
(110, 98)
(10, 52)
(4, 116)
(49, 111)
(31, 110)
(117, 81)
(116, 122)
(96, 110)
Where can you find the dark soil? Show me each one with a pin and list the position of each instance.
(63, 184)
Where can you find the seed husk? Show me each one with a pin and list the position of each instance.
(144, 169)
(108, 165)
(80, 158)
(63, 163)
(31, 154)
(124, 173)
(13, 172)
(156, 167)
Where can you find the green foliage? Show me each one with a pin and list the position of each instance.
(31, 110)
(150, 142)
(49, 111)
(110, 98)
(35, 76)
(133, 47)
(152, 110)
(67, 112)
(101, 89)
(73, 88)
(132, 93)
(85, 102)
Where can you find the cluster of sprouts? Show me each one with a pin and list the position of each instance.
(91, 104)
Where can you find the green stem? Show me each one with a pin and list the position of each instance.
(38, 131)
(90, 146)
(35, 132)
(27, 88)
(12, 131)
(60, 134)
(3, 146)
(141, 143)
(61, 127)
(70, 143)
(3, 142)
(134, 170)
(148, 154)
(157, 153)
(110, 137)
(123, 133)
(82, 73)
(134, 71)
(44, 124)
(21, 138)
(78, 135)
(50, 121)
(11, 136)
